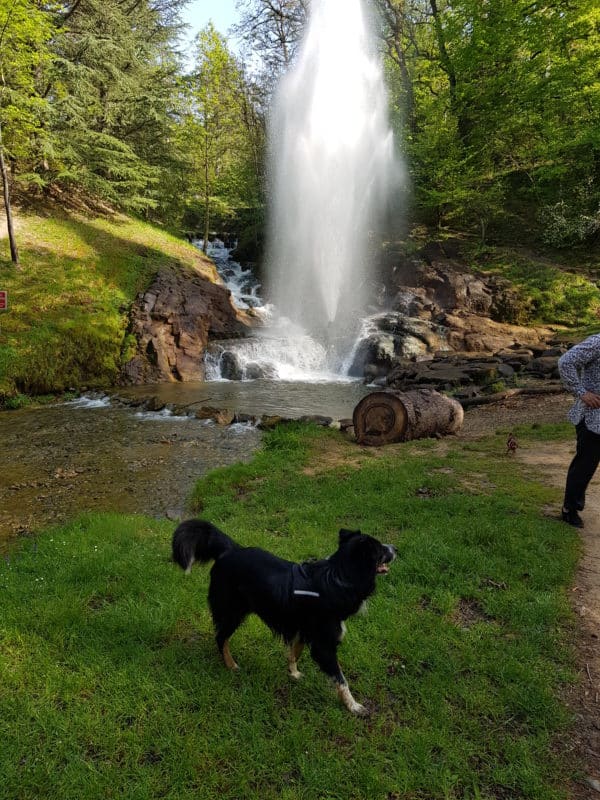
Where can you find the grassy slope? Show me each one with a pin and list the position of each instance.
(110, 685)
(554, 288)
(68, 303)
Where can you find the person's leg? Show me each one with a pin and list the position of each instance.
(580, 473)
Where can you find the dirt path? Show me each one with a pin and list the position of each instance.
(550, 461)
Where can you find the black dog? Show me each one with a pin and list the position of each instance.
(303, 603)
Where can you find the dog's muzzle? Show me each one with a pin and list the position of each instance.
(389, 554)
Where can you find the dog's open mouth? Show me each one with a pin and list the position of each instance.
(389, 555)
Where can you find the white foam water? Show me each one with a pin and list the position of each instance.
(89, 402)
(332, 166)
(241, 282)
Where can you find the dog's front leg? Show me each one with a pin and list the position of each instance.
(325, 656)
(345, 696)
(295, 649)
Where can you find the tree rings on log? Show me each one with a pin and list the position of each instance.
(390, 416)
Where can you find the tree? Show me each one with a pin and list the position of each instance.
(222, 125)
(499, 99)
(272, 30)
(24, 34)
(111, 94)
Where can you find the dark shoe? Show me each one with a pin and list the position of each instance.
(571, 517)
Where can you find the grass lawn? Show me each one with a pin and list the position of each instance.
(69, 301)
(110, 684)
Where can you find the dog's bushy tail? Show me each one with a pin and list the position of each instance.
(197, 540)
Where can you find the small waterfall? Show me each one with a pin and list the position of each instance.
(280, 350)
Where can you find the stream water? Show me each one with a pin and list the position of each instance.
(90, 456)
(94, 455)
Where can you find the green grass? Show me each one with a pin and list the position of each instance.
(110, 685)
(555, 289)
(69, 301)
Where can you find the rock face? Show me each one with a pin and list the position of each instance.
(437, 307)
(172, 322)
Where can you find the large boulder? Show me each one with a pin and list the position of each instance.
(172, 322)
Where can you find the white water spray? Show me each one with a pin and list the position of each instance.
(332, 166)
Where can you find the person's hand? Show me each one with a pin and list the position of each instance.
(591, 399)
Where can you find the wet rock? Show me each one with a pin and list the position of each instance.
(231, 368)
(256, 371)
(269, 421)
(206, 412)
(154, 404)
(224, 417)
(317, 419)
(245, 419)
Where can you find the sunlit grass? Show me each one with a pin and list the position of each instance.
(68, 303)
(110, 685)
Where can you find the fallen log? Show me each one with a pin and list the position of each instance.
(499, 396)
(392, 416)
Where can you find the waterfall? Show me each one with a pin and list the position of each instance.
(331, 169)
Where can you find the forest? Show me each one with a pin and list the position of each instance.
(495, 106)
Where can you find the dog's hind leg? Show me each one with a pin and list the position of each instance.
(295, 649)
(227, 616)
(325, 656)
(227, 657)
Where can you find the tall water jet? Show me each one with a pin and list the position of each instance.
(331, 168)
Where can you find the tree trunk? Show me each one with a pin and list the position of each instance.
(206, 196)
(14, 253)
(388, 416)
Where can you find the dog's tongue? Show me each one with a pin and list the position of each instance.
(382, 568)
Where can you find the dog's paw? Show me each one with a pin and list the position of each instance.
(359, 710)
(296, 674)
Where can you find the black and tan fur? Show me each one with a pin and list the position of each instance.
(305, 604)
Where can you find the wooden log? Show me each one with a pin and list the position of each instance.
(391, 416)
(499, 396)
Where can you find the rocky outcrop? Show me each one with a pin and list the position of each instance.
(172, 322)
(466, 374)
(436, 306)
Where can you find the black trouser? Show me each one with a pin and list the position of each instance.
(582, 468)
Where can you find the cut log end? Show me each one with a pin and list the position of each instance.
(380, 418)
(387, 417)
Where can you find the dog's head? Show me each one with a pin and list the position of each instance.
(365, 551)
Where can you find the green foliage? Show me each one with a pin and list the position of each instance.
(498, 105)
(221, 137)
(25, 32)
(109, 677)
(112, 89)
(548, 292)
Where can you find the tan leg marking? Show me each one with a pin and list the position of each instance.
(294, 653)
(345, 696)
(227, 657)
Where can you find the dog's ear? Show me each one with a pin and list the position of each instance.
(345, 535)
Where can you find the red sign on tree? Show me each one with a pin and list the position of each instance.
(3, 300)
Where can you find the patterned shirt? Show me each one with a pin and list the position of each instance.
(579, 370)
